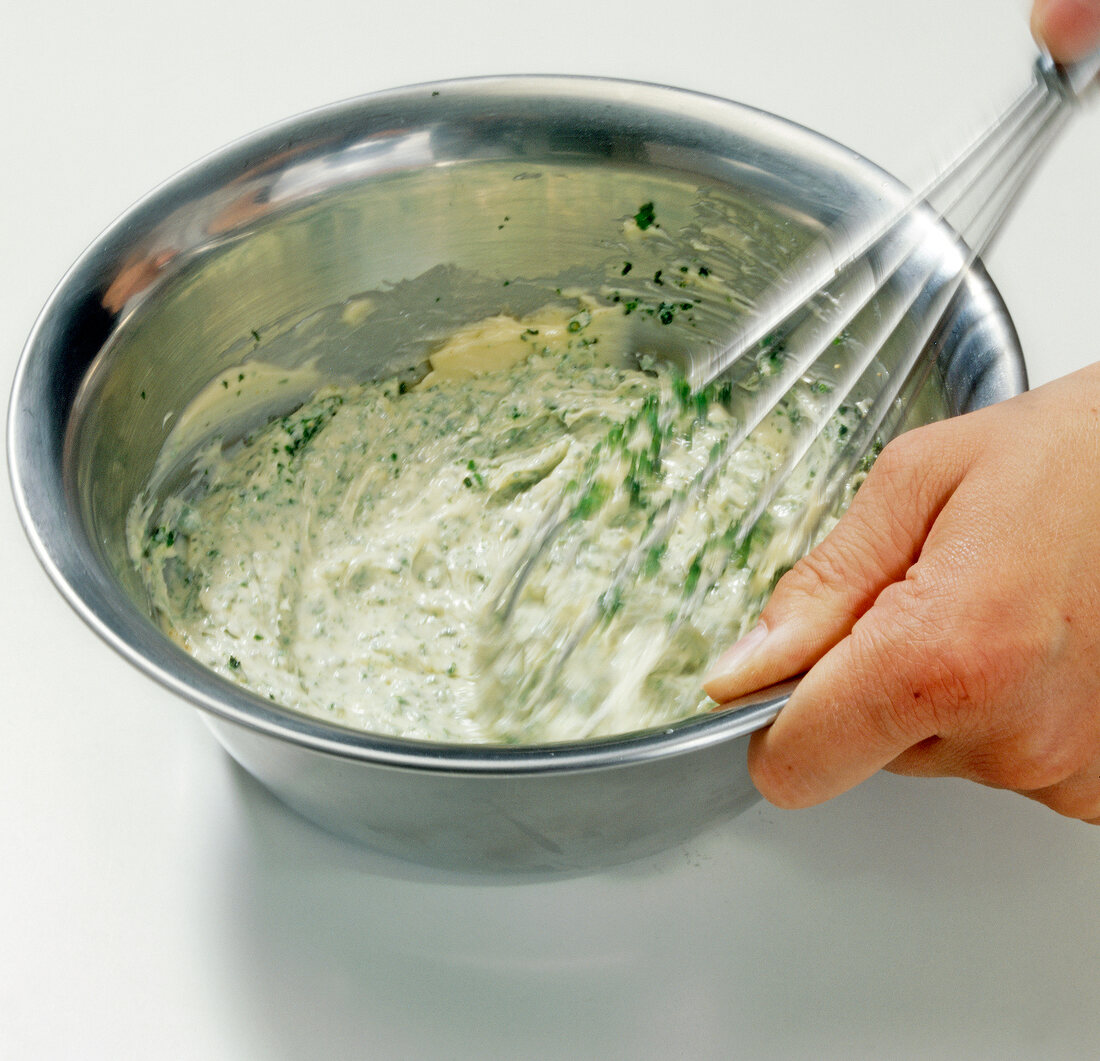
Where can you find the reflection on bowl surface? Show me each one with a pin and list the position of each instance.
(345, 246)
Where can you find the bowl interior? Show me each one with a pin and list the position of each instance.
(343, 245)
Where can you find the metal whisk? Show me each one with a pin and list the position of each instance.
(881, 279)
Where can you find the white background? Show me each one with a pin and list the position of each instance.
(156, 903)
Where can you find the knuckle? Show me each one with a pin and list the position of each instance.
(900, 648)
(907, 464)
(900, 457)
(1071, 800)
(1039, 745)
(964, 653)
(1037, 758)
(818, 573)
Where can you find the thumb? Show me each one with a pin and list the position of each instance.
(1070, 29)
(816, 603)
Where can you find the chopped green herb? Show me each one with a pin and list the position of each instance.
(645, 216)
(652, 562)
(580, 321)
(682, 389)
(870, 456)
(590, 501)
(611, 601)
(694, 573)
(302, 430)
(163, 536)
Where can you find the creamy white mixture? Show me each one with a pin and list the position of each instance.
(344, 560)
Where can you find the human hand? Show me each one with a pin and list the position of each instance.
(950, 623)
(1069, 28)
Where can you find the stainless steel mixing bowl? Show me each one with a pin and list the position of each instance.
(434, 206)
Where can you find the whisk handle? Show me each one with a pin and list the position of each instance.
(1073, 79)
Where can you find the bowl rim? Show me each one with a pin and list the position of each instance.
(233, 703)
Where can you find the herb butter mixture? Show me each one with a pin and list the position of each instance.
(345, 560)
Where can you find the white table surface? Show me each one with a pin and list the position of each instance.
(156, 903)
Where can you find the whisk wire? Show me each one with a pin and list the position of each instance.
(866, 279)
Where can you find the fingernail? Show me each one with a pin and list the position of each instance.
(735, 656)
